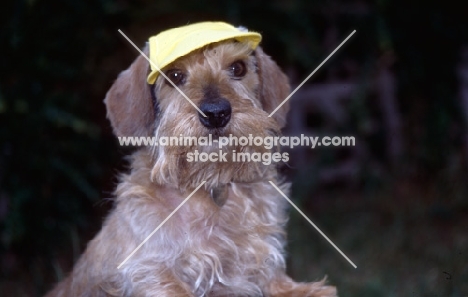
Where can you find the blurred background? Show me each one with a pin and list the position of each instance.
(396, 203)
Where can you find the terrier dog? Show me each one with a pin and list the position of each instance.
(228, 238)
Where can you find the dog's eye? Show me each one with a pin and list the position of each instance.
(176, 76)
(238, 69)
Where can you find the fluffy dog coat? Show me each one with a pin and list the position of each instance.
(236, 249)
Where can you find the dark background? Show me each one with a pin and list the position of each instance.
(396, 204)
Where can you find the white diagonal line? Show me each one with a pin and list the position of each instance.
(160, 225)
(313, 72)
(162, 73)
(310, 222)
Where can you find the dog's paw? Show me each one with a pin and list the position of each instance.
(292, 289)
(312, 290)
(321, 291)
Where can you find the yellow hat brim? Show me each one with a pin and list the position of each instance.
(169, 45)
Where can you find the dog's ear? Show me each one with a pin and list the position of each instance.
(129, 103)
(274, 86)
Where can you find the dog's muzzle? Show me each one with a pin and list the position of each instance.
(217, 111)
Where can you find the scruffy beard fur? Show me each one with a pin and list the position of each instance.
(204, 249)
(207, 68)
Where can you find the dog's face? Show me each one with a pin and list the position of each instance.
(234, 86)
(222, 81)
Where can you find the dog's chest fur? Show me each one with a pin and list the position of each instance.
(211, 248)
(229, 246)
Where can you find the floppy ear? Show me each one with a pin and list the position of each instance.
(274, 87)
(129, 104)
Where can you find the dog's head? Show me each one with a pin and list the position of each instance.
(234, 86)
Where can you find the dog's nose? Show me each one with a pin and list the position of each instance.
(218, 113)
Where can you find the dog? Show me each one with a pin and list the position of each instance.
(228, 239)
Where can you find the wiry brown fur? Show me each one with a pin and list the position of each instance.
(203, 249)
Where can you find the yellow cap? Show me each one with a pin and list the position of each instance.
(169, 45)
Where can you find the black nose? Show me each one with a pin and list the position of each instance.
(217, 111)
